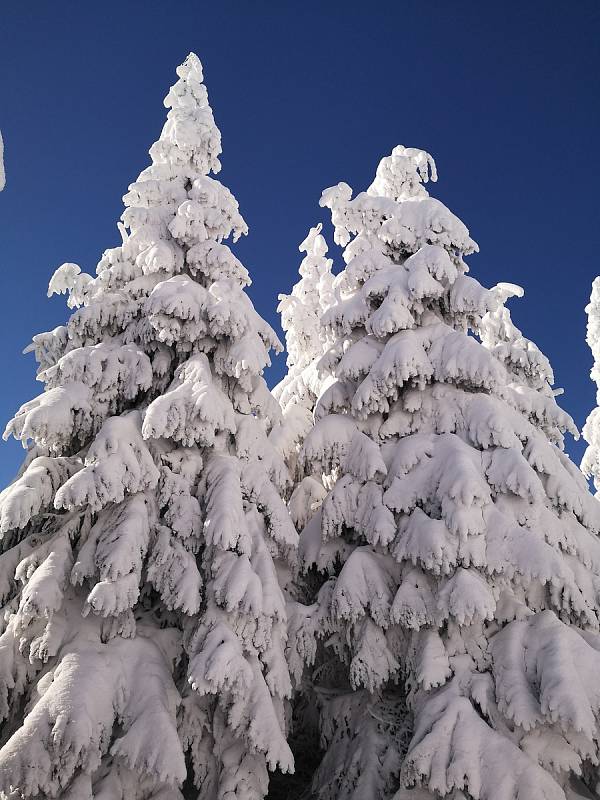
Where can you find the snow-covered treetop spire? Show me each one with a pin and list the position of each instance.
(301, 313)
(383, 213)
(190, 136)
(311, 296)
(401, 175)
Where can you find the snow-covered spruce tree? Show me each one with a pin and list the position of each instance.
(591, 431)
(145, 541)
(461, 611)
(301, 314)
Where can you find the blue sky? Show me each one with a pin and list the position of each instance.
(504, 95)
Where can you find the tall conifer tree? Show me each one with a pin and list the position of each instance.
(145, 543)
(458, 614)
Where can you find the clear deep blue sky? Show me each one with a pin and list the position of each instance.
(504, 95)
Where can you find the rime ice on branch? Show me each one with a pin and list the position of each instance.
(146, 545)
(459, 545)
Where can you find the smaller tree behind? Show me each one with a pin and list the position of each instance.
(590, 464)
(306, 340)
